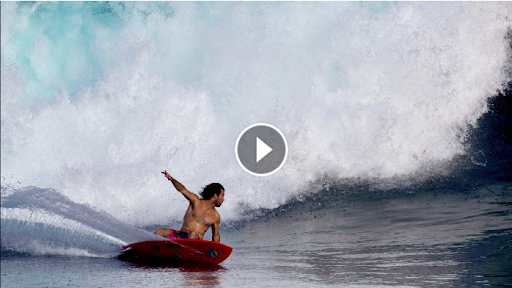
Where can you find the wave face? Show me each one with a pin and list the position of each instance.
(98, 98)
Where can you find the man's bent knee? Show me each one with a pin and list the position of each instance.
(163, 232)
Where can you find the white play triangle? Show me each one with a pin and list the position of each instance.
(262, 149)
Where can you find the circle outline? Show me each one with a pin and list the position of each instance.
(285, 149)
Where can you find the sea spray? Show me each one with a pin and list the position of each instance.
(99, 98)
(44, 222)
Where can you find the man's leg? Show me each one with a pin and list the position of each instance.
(163, 232)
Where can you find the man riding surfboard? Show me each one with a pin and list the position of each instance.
(201, 213)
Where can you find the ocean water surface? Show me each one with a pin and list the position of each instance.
(397, 117)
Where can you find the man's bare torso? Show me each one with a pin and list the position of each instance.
(198, 218)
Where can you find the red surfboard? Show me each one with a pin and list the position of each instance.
(182, 250)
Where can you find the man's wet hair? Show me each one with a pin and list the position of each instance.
(210, 190)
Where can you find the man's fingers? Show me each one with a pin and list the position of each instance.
(166, 174)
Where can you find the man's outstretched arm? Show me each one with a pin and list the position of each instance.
(189, 195)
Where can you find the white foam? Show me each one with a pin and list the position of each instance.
(359, 90)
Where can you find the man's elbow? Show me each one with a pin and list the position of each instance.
(216, 238)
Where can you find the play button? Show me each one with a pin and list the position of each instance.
(261, 149)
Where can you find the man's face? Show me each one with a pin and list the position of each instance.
(220, 198)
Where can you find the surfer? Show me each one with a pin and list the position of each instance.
(201, 213)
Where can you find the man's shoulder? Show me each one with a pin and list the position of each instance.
(216, 213)
(213, 210)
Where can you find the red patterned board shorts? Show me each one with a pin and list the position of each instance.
(180, 234)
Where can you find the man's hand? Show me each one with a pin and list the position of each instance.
(189, 195)
(169, 177)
